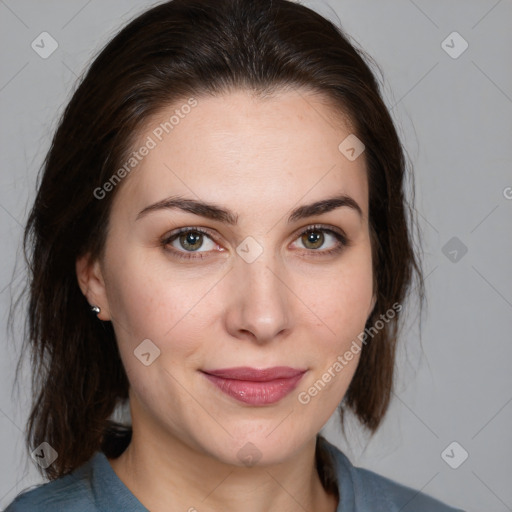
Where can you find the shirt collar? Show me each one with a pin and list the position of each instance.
(344, 475)
(110, 493)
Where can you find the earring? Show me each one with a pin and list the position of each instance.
(96, 310)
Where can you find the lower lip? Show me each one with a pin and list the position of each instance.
(256, 393)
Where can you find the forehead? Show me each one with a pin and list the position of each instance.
(241, 150)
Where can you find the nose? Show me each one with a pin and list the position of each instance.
(260, 306)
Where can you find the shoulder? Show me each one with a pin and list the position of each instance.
(363, 490)
(398, 496)
(72, 493)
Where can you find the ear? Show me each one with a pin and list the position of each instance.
(92, 284)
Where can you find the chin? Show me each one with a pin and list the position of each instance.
(257, 448)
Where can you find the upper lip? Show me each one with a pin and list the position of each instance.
(254, 374)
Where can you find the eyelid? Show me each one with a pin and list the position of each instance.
(323, 227)
(167, 238)
(300, 231)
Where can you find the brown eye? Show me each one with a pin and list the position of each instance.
(186, 241)
(315, 238)
(191, 240)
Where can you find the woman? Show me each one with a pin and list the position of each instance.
(219, 237)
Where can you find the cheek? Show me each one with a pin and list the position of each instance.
(342, 306)
(147, 302)
(342, 298)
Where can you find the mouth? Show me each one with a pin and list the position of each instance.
(253, 386)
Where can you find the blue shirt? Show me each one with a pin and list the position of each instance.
(96, 487)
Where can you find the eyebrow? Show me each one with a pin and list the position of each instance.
(214, 212)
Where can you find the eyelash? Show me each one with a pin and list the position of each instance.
(342, 242)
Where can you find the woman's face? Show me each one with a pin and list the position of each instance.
(253, 289)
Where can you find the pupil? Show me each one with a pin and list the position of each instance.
(314, 237)
(191, 240)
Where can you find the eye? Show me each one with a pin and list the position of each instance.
(314, 237)
(187, 242)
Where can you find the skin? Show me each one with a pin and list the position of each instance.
(292, 306)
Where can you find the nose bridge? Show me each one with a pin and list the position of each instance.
(262, 303)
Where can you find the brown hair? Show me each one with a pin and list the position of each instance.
(175, 50)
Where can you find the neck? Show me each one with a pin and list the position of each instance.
(164, 473)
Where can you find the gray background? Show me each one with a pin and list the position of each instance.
(455, 117)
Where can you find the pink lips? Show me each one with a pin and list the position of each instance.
(253, 386)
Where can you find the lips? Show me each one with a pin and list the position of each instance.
(252, 374)
(253, 386)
